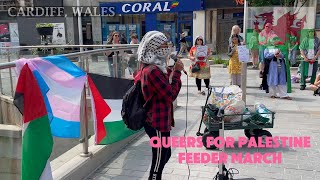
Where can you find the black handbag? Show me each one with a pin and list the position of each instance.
(195, 68)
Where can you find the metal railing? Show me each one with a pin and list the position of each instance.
(83, 59)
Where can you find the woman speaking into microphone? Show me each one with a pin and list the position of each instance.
(154, 74)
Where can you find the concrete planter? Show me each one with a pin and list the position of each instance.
(10, 152)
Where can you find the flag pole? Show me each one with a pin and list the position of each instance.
(84, 118)
(244, 66)
(84, 113)
(80, 27)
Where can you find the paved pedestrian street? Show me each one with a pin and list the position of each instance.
(297, 118)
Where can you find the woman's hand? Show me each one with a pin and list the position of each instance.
(178, 66)
(192, 58)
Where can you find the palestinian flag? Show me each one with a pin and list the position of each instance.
(112, 91)
(37, 140)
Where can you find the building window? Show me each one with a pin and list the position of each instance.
(317, 21)
(167, 24)
(125, 25)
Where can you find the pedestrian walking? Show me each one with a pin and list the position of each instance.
(183, 44)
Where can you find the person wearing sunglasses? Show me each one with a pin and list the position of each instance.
(200, 59)
(114, 38)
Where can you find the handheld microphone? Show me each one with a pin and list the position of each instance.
(174, 57)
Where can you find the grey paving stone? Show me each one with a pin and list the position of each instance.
(139, 174)
(207, 174)
(197, 178)
(102, 170)
(125, 178)
(299, 172)
(185, 172)
(124, 172)
(136, 168)
(102, 177)
(171, 176)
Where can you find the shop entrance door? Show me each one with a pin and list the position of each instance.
(169, 29)
(87, 31)
(224, 31)
(185, 24)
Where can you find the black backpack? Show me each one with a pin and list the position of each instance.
(133, 112)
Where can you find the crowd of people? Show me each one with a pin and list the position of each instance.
(266, 51)
(161, 82)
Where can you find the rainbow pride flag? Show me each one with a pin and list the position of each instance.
(174, 4)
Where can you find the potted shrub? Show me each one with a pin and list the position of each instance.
(44, 28)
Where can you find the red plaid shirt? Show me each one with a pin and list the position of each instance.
(156, 86)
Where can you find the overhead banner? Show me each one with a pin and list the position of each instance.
(151, 7)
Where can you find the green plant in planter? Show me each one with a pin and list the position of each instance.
(34, 51)
(44, 25)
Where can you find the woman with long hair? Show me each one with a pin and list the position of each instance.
(200, 59)
(234, 63)
(114, 38)
(236, 30)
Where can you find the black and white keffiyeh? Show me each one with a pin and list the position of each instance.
(149, 52)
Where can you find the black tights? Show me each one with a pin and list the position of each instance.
(198, 82)
(160, 156)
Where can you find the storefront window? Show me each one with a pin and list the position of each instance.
(125, 25)
(167, 23)
(185, 16)
(317, 25)
(174, 24)
(318, 21)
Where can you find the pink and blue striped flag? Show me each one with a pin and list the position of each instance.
(61, 83)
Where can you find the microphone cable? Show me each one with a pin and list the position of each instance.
(185, 131)
(174, 57)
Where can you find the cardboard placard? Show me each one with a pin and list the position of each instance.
(244, 54)
(201, 53)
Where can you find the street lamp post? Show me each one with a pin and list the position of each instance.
(80, 28)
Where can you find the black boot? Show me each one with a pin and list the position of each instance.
(317, 92)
